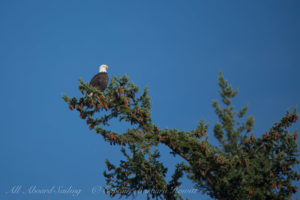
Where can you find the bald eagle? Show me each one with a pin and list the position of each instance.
(100, 80)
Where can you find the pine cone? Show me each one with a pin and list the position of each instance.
(91, 126)
(125, 102)
(71, 107)
(106, 107)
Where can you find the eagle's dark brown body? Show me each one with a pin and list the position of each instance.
(100, 81)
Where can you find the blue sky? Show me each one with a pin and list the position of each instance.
(175, 47)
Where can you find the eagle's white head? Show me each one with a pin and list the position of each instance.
(103, 68)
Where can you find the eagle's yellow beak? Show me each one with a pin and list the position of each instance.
(106, 67)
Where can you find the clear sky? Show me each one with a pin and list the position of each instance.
(176, 47)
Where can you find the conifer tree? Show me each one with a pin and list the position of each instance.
(241, 167)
